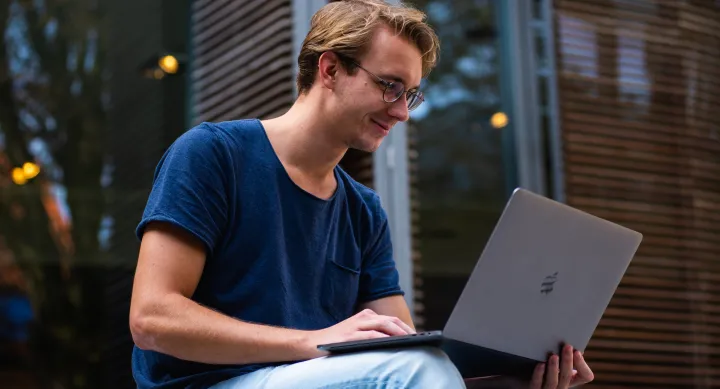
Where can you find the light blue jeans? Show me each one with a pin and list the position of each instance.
(418, 367)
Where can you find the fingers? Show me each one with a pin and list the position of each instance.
(369, 313)
(371, 321)
(384, 324)
(552, 373)
(584, 374)
(364, 335)
(566, 367)
(404, 326)
(562, 372)
(537, 377)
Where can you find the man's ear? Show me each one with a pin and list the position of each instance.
(328, 69)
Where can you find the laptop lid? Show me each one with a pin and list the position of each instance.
(545, 277)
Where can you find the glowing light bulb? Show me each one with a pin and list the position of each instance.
(18, 176)
(499, 120)
(169, 64)
(30, 170)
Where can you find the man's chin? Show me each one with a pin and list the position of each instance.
(368, 147)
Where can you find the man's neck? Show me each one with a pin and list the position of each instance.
(303, 140)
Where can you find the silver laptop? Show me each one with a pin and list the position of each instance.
(544, 279)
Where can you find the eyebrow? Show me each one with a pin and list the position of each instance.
(399, 79)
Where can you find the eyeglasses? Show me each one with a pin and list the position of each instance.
(394, 91)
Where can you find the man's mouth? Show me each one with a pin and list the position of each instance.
(382, 126)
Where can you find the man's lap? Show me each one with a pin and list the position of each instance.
(387, 369)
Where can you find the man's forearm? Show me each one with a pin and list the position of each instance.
(186, 330)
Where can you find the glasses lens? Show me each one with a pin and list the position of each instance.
(394, 91)
(414, 100)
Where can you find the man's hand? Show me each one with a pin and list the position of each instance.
(364, 325)
(562, 372)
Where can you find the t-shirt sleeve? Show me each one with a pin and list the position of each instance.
(379, 276)
(189, 187)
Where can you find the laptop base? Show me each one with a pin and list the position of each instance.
(475, 361)
(471, 360)
(429, 338)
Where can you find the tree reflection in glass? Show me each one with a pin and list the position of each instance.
(459, 172)
(53, 106)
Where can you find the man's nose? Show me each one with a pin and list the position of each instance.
(399, 109)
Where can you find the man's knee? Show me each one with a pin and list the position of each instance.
(421, 367)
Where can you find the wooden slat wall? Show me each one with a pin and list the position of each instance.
(242, 66)
(242, 59)
(639, 89)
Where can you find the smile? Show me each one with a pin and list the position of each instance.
(384, 128)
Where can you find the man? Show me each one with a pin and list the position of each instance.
(256, 247)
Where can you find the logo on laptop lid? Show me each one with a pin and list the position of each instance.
(548, 283)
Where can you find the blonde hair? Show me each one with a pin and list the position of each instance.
(347, 27)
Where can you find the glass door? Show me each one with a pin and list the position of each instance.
(460, 174)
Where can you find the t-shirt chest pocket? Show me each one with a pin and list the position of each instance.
(340, 286)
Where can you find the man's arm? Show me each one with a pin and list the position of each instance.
(394, 306)
(163, 317)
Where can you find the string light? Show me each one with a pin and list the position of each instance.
(18, 176)
(30, 170)
(499, 120)
(169, 64)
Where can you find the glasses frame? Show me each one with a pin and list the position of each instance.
(409, 94)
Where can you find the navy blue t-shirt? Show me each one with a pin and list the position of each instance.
(276, 254)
